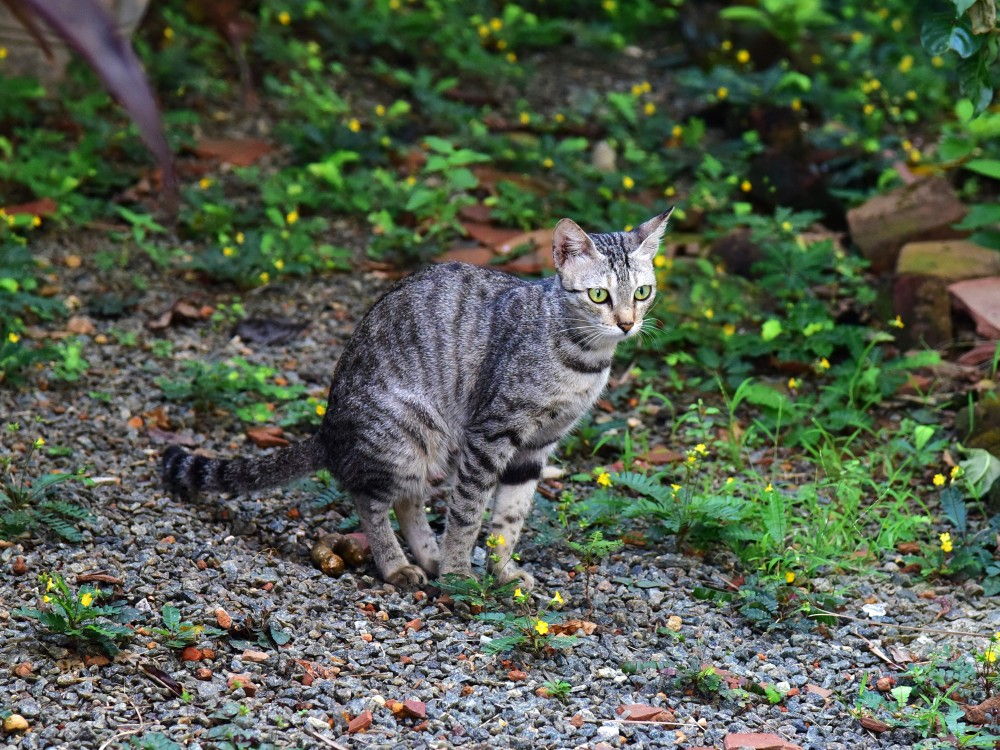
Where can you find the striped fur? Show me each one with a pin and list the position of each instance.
(466, 375)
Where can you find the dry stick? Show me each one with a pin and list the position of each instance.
(936, 631)
(326, 740)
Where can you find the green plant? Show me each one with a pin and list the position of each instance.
(477, 593)
(528, 629)
(591, 552)
(558, 689)
(179, 634)
(77, 615)
(153, 741)
(26, 503)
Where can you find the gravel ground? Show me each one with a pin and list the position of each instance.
(250, 556)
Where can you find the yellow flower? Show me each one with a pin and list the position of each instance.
(604, 479)
(627, 182)
(411, 180)
(905, 64)
(677, 131)
(36, 221)
(524, 118)
(746, 186)
(990, 655)
(722, 92)
(649, 108)
(897, 24)
(938, 480)
(789, 577)
(726, 45)
(559, 117)
(13, 337)
(911, 95)
(46, 598)
(542, 627)
(501, 44)
(292, 216)
(659, 261)
(284, 18)
(769, 488)
(548, 163)
(511, 57)
(496, 24)
(86, 599)
(823, 364)
(730, 480)
(937, 61)
(786, 226)
(495, 540)
(946, 545)
(395, 4)
(609, 5)
(793, 384)
(913, 154)
(796, 104)
(50, 584)
(955, 473)
(897, 322)
(518, 594)
(636, 89)
(354, 125)
(857, 36)
(484, 30)
(279, 264)
(265, 277)
(816, 59)
(728, 330)
(239, 238)
(868, 109)
(3, 53)
(320, 409)
(205, 183)
(702, 449)
(627, 228)
(39, 442)
(380, 110)
(557, 599)
(675, 487)
(743, 57)
(229, 252)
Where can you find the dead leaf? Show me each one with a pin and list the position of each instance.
(660, 456)
(986, 712)
(181, 311)
(874, 725)
(160, 677)
(184, 438)
(240, 152)
(81, 325)
(40, 207)
(822, 692)
(571, 627)
(268, 436)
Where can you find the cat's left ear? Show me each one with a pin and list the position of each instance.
(649, 234)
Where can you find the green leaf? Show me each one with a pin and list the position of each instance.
(988, 167)
(563, 641)
(771, 329)
(981, 468)
(171, 617)
(962, 42)
(980, 215)
(935, 33)
(506, 643)
(962, 5)
(964, 110)
(922, 433)
(953, 507)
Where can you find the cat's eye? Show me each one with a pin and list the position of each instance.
(598, 295)
(643, 292)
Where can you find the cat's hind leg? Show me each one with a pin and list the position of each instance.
(391, 561)
(418, 533)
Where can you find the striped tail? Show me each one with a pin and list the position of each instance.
(187, 474)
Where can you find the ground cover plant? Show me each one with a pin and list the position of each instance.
(800, 453)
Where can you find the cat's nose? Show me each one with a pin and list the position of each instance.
(625, 325)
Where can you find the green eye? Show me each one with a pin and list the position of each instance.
(598, 295)
(643, 292)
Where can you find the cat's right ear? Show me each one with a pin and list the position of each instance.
(570, 243)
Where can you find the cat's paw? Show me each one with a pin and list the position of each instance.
(512, 573)
(407, 576)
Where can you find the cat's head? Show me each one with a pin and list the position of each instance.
(609, 279)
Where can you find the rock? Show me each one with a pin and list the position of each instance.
(922, 302)
(822, 692)
(925, 209)
(360, 723)
(951, 260)
(15, 723)
(223, 618)
(643, 712)
(604, 157)
(257, 657)
(737, 253)
(190, 653)
(981, 299)
(608, 732)
(757, 742)
(415, 709)
(23, 669)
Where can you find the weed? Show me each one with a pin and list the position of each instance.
(179, 634)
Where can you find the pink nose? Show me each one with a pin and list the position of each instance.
(625, 325)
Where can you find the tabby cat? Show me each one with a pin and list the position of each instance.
(466, 375)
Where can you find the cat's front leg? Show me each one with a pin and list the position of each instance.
(511, 509)
(479, 467)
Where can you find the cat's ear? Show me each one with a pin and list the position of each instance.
(649, 234)
(570, 243)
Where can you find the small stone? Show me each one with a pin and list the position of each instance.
(674, 623)
(23, 669)
(517, 675)
(415, 709)
(884, 684)
(608, 732)
(190, 653)
(360, 723)
(317, 723)
(203, 673)
(604, 157)
(20, 567)
(15, 723)
(257, 657)
(223, 619)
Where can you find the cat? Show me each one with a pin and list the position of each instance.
(464, 374)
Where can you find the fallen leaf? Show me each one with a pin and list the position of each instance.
(160, 677)
(822, 692)
(240, 152)
(81, 325)
(23, 669)
(489, 235)
(908, 548)
(570, 627)
(19, 567)
(96, 660)
(40, 207)
(181, 310)
(661, 455)
(986, 712)
(269, 436)
(360, 723)
(874, 725)
(643, 712)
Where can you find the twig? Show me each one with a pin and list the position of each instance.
(935, 631)
(325, 740)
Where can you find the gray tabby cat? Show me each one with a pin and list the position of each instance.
(463, 374)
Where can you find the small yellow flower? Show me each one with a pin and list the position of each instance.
(548, 163)
(868, 109)
(677, 131)
(857, 36)
(205, 183)
(938, 480)
(411, 180)
(823, 364)
(542, 627)
(3, 53)
(496, 24)
(395, 4)
(265, 277)
(786, 226)
(728, 330)
(627, 182)
(793, 384)
(284, 18)
(13, 337)
(292, 216)
(659, 261)
(36, 221)
(702, 449)
(279, 264)
(609, 5)
(518, 594)
(524, 118)
(905, 64)
(789, 577)
(726, 45)
(240, 238)
(501, 44)
(168, 33)
(557, 599)
(39, 442)
(897, 24)
(937, 61)
(816, 59)
(946, 543)
(955, 473)
(769, 488)
(511, 57)
(320, 409)
(354, 125)
(636, 89)
(604, 479)
(743, 57)
(380, 110)
(484, 30)
(990, 655)
(722, 92)
(730, 480)
(913, 154)
(649, 109)
(796, 104)
(495, 540)
(897, 322)
(229, 252)
(559, 117)
(46, 598)
(86, 599)
(746, 186)
(627, 228)
(911, 95)
(50, 584)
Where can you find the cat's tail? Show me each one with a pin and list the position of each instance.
(188, 474)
